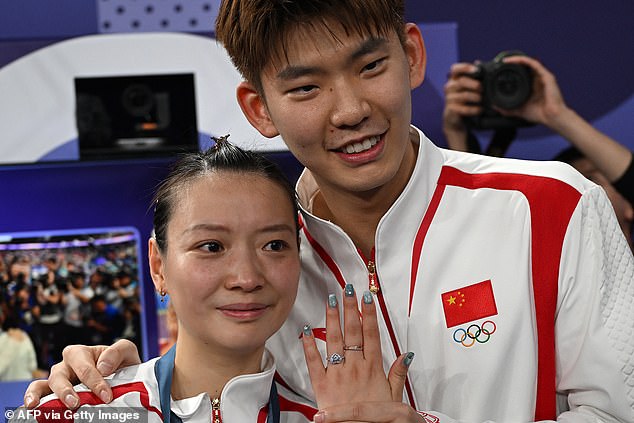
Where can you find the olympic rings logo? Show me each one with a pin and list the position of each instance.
(474, 333)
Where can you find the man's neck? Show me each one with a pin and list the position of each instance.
(359, 222)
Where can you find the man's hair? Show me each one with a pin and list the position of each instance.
(256, 32)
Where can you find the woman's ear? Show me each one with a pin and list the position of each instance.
(254, 108)
(156, 266)
(416, 54)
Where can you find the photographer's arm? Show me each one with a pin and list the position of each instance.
(88, 364)
(611, 158)
(547, 107)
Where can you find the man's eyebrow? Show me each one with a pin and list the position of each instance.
(367, 47)
(293, 72)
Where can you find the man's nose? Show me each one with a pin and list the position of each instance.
(349, 107)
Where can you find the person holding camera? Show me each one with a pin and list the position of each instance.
(602, 159)
(545, 106)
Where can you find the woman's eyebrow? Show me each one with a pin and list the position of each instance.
(281, 227)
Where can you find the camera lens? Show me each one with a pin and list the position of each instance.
(507, 83)
(510, 86)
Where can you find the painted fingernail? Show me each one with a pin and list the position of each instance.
(71, 401)
(409, 357)
(332, 301)
(367, 297)
(349, 290)
(306, 330)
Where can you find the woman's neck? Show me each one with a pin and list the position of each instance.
(202, 367)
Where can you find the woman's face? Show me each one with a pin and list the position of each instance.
(231, 266)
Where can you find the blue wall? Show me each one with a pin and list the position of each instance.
(588, 45)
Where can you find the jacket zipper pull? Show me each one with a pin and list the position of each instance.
(215, 411)
(374, 283)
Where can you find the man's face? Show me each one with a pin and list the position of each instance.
(343, 106)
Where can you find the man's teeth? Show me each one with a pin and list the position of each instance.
(358, 147)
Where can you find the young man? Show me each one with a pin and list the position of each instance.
(510, 280)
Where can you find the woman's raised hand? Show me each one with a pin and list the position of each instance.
(352, 383)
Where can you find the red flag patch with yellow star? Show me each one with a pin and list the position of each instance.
(469, 303)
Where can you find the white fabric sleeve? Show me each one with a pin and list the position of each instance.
(595, 316)
(594, 327)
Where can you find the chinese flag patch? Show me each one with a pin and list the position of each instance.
(469, 303)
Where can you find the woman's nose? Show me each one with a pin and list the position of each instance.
(244, 272)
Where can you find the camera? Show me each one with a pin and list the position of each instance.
(505, 86)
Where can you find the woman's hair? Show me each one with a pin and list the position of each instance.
(256, 32)
(221, 157)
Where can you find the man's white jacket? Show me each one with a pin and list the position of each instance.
(510, 280)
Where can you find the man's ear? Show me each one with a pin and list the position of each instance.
(156, 266)
(254, 108)
(416, 54)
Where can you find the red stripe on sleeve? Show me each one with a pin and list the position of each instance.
(89, 398)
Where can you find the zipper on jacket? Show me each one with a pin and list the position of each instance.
(373, 280)
(215, 411)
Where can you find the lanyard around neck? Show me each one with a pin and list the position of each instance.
(163, 370)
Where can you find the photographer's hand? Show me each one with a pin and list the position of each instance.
(546, 105)
(462, 98)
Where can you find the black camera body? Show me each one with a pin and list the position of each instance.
(504, 85)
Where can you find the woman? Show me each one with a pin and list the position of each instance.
(232, 277)
(225, 248)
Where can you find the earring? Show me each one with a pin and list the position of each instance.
(162, 293)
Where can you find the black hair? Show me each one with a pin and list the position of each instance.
(224, 157)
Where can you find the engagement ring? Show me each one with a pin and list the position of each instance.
(335, 358)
